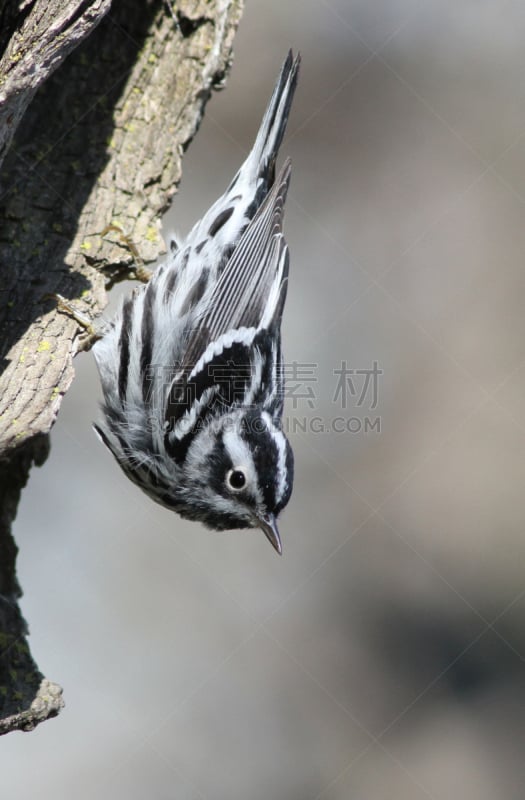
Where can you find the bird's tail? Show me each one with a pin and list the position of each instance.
(226, 220)
(261, 161)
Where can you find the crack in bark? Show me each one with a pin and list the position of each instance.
(189, 25)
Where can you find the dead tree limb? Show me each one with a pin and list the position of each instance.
(101, 142)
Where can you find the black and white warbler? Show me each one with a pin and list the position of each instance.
(191, 367)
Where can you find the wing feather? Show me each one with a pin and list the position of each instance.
(248, 298)
(249, 289)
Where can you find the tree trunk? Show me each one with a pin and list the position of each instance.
(101, 142)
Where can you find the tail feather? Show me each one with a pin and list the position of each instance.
(264, 152)
(224, 223)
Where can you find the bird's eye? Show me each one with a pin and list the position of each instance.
(236, 479)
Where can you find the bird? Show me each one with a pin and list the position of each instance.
(191, 366)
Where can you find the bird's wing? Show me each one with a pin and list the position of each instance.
(248, 299)
(250, 291)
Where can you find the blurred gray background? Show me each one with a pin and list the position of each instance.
(383, 655)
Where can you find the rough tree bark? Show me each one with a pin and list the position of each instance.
(101, 142)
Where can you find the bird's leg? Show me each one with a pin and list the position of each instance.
(142, 273)
(93, 332)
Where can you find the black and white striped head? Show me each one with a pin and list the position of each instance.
(238, 473)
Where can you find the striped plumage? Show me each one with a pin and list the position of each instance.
(191, 367)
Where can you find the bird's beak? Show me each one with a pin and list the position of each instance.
(268, 524)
